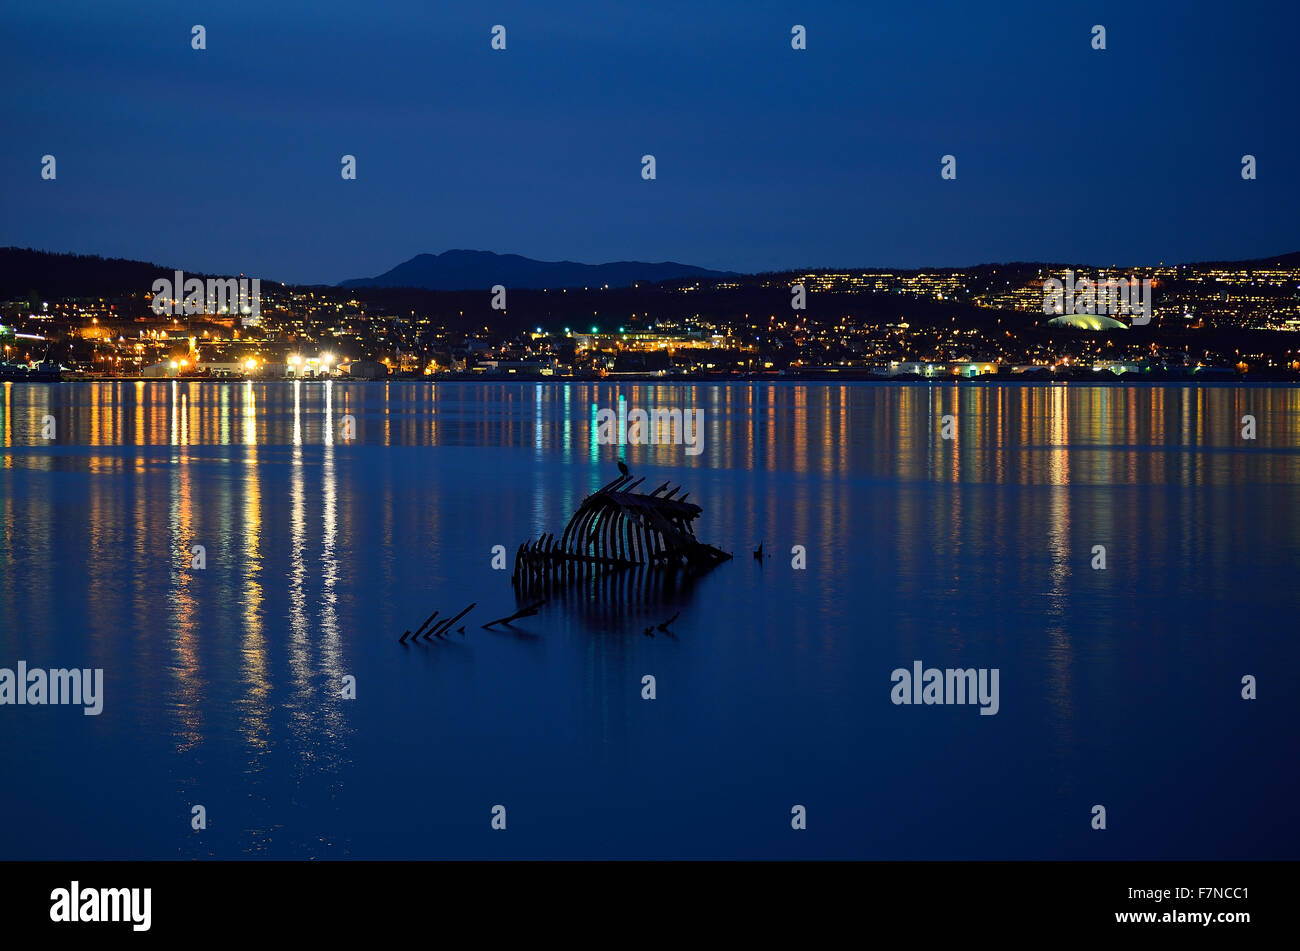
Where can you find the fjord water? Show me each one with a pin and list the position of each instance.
(1119, 687)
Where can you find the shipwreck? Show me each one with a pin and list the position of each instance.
(614, 530)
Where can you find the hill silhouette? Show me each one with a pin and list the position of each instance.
(31, 275)
(479, 270)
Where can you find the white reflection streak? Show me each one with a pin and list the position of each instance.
(538, 408)
(329, 564)
(250, 421)
(299, 654)
(568, 445)
(329, 413)
(297, 419)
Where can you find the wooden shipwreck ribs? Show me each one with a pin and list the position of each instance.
(615, 529)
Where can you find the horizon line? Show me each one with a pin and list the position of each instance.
(718, 271)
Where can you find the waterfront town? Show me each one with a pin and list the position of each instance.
(1207, 321)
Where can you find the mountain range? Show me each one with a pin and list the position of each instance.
(479, 270)
(28, 274)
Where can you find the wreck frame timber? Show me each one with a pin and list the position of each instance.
(615, 529)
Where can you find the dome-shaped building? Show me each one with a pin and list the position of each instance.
(1087, 322)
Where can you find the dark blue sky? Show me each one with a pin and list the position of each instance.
(228, 160)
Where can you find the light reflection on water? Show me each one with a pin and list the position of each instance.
(224, 684)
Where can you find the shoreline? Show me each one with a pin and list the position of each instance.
(1101, 379)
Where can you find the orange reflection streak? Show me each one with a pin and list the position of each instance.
(139, 437)
(829, 427)
(847, 423)
(223, 416)
(770, 398)
(799, 425)
(95, 437)
(7, 422)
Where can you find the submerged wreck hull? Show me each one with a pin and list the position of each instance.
(616, 529)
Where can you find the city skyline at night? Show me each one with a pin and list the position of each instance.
(127, 319)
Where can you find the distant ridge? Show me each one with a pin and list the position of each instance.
(30, 274)
(479, 270)
(27, 273)
(1291, 259)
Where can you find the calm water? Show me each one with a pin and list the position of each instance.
(1119, 687)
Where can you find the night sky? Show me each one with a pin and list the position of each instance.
(228, 160)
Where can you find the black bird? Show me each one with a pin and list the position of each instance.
(460, 631)
(622, 467)
(649, 632)
(664, 626)
(758, 552)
